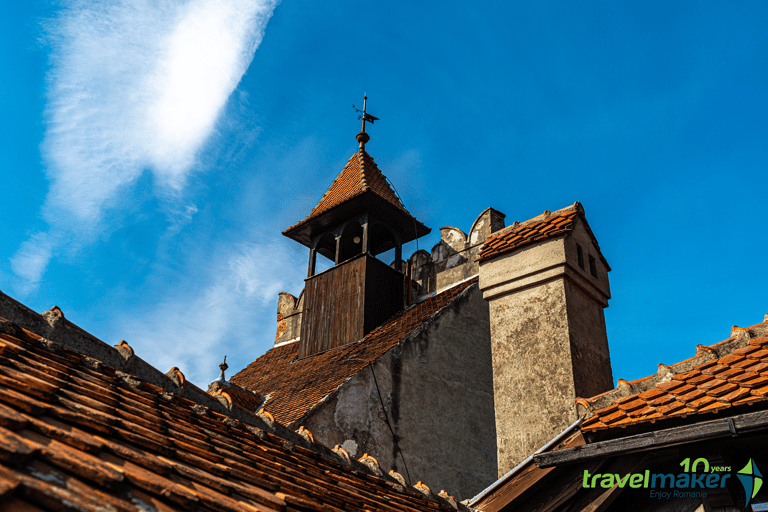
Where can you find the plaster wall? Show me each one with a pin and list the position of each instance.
(549, 342)
(586, 297)
(590, 356)
(532, 373)
(437, 391)
(598, 287)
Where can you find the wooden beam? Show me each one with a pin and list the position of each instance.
(598, 500)
(724, 427)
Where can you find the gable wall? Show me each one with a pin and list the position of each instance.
(436, 387)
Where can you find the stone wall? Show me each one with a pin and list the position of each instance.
(289, 311)
(454, 258)
(436, 389)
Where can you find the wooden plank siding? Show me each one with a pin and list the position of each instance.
(346, 302)
(383, 293)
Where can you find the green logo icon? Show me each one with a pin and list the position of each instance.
(751, 479)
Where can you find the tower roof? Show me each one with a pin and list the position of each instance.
(359, 176)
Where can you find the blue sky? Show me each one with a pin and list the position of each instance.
(153, 151)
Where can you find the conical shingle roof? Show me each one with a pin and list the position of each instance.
(360, 175)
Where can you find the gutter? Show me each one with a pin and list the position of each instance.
(520, 466)
(723, 427)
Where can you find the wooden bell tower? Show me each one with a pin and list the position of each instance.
(359, 217)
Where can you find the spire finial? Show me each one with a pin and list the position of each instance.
(363, 137)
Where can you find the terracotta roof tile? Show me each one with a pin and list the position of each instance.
(640, 412)
(739, 377)
(715, 406)
(701, 379)
(74, 437)
(692, 395)
(730, 373)
(295, 386)
(744, 378)
(698, 403)
(536, 229)
(361, 174)
(632, 405)
(745, 364)
(651, 394)
(613, 417)
(670, 385)
(731, 359)
(723, 389)
(746, 350)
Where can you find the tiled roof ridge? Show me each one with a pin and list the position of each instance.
(740, 338)
(363, 180)
(502, 241)
(261, 421)
(374, 171)
(542, 216)
(412, 334)
(52, 326)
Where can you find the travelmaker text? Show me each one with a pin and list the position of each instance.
(647, 480)
(690, 479)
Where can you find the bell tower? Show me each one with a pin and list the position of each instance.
(359, 217)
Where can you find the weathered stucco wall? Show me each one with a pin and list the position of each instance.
(437, 391)
(589, 343)
(532, 373)
(586, 296)
(549, 343)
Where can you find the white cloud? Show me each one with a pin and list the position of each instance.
(31, 259)
(134, 85)
(194, 330)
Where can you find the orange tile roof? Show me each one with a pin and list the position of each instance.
(295, 386)
(245, 399)
(546, 225)
(76, 434)
(728, 374)
(361, 174)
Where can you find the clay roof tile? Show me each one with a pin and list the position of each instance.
(75, 434)
(739, 377)
(539, 228)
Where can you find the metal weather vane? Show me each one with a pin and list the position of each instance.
(363, 137)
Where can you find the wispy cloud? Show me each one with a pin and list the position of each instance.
(195, 329)
(31, 259)
(134, 85)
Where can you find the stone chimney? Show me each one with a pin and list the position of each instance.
(546, 283)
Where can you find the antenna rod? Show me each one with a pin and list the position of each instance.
(365, 102)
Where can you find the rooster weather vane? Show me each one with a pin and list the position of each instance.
(363, 137)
